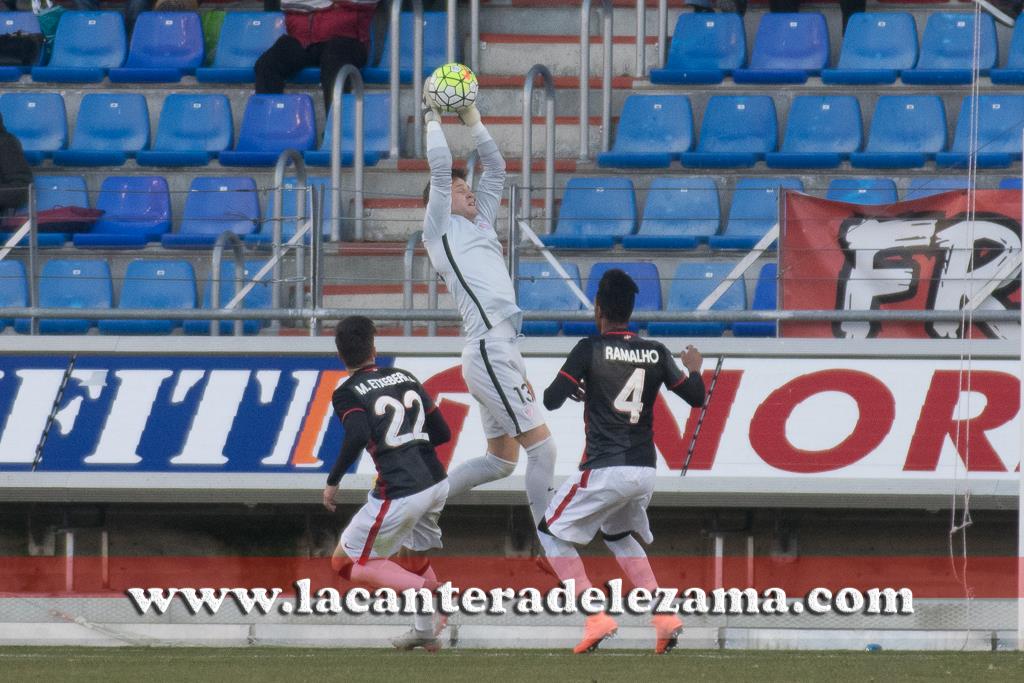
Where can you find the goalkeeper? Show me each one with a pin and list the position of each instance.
(458, 233)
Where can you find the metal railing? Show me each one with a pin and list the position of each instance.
(347, 73)
(549, 142)
(639, 66)
(396, 75)
(408, 283)
(300, 214)
(453, 30)
(474, 35)
(662, 32)
(606, 82)
(225, 239)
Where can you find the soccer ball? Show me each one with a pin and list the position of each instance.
(452, 87)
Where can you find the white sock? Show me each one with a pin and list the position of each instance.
(477, 471)
(564, 559)
(633, 560)
(423, 622)
(540, 469)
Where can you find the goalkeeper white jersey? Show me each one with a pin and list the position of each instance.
(467, 254)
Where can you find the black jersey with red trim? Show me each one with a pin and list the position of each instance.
(621, 373)
(395, 405)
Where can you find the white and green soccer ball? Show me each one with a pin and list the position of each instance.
(452, 87)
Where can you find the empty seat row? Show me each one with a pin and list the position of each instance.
(193, 129)
(540, 288)
(877, 48)
(161, 284)
(682, 212)
(906, 131)
(136, 210)
(165, 46)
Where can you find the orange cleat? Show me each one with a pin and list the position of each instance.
(667, 627)
(597, 628)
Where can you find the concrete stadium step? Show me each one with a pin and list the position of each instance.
(397, 218)
(512, 53)
(508, 133)
(555, 16)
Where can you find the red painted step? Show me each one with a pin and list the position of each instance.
(511, 165)
(519, 38)
(417, 202)
(567, 82)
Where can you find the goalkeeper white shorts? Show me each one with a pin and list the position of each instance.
(495, 374)
(381, 527)
(612, 500)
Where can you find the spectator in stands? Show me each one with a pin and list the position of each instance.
(131, 11)
(15, 175)
(324, 33)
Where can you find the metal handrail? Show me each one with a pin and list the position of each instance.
(347, 73)
(549, 142)
(606, 83)
(316, 267)
(471, 162)
(474, 35)
(640, 65)
(408, 259)
(33, 253)
(662, 32)
(300, 214)
(226, 238)
(396, 75)
(453, 30)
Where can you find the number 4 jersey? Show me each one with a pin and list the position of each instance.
(621, 374)
(387, 411)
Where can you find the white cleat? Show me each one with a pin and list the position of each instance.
(412, 639)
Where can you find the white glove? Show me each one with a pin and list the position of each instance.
(470, 115)
(430, 110)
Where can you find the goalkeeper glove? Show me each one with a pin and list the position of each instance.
(430, 110)
(470, 115)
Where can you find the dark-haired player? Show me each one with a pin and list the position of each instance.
(388, 413)
(617, 374)
(459, 235)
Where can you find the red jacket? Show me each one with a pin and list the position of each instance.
(343, 19)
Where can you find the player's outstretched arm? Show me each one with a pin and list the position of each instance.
(569, 382)
(437, 428)
(439, 200)
(688, 386)
(357, 435)
(492, 181)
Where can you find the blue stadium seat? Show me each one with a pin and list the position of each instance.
(906, 132)
(71, 283)
(947, 50)
(165, 46)
(52, 192)
(109, 129)
(137, 210)
(243, 38)
(595, 213)
(820, 132)
(435, 37)
(258, 297)
(920, 188)
(289, 196)
(863, 190)
(272, 124)
(213, 205)
(85, 46)
(376, 132)
(765, 299)
(876, 48)
(192, 130)
(1013, 72)
(13, 288)
(1011, 184)
(653, 130)
(12, 22)
(705, 48)
(736, 131)
(542, 289)
(1000, 119)
(753, 212)
(162, 284)
(38, 120)
(787, 49)
(648, 280)
(680, 213)
(692, 283)
(60, 190)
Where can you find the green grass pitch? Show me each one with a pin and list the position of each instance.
(308, 664)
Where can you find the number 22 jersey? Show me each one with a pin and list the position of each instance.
(396, 407)
(622, 373)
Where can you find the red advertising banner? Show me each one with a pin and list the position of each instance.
(918, 255)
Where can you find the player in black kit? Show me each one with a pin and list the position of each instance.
(617, 375)
(387, 412)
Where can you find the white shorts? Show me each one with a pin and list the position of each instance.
(613, 500)
(381, 527)
(496, 377)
